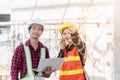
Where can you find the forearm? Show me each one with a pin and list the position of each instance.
(80, 46)
(82, 51)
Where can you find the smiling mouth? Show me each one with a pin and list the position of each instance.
(35, 34)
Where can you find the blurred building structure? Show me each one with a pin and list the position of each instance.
(94, 18)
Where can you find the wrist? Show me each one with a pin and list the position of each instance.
(78, 43)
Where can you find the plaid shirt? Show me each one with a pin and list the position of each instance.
(19, 60)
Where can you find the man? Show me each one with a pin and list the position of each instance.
(27, 55)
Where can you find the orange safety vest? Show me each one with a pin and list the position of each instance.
(72, 68)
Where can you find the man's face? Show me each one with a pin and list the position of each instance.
(35, 31)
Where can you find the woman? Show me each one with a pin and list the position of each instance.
(73, 50)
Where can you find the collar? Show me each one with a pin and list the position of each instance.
(29, 44)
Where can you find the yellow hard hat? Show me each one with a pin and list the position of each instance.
(67, 24)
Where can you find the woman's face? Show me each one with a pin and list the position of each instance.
(67, 35)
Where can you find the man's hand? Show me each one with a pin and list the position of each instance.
(48, 70)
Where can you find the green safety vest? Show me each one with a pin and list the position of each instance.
(30, 74)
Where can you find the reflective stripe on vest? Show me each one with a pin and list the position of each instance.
(31, 75)
(72, 72)
(72, 58)
(43, 53)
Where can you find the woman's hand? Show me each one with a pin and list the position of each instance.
(72, 30)
(74, 35)
(62, 44)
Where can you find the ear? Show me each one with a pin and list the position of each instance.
(41, 33)
(28, 31)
